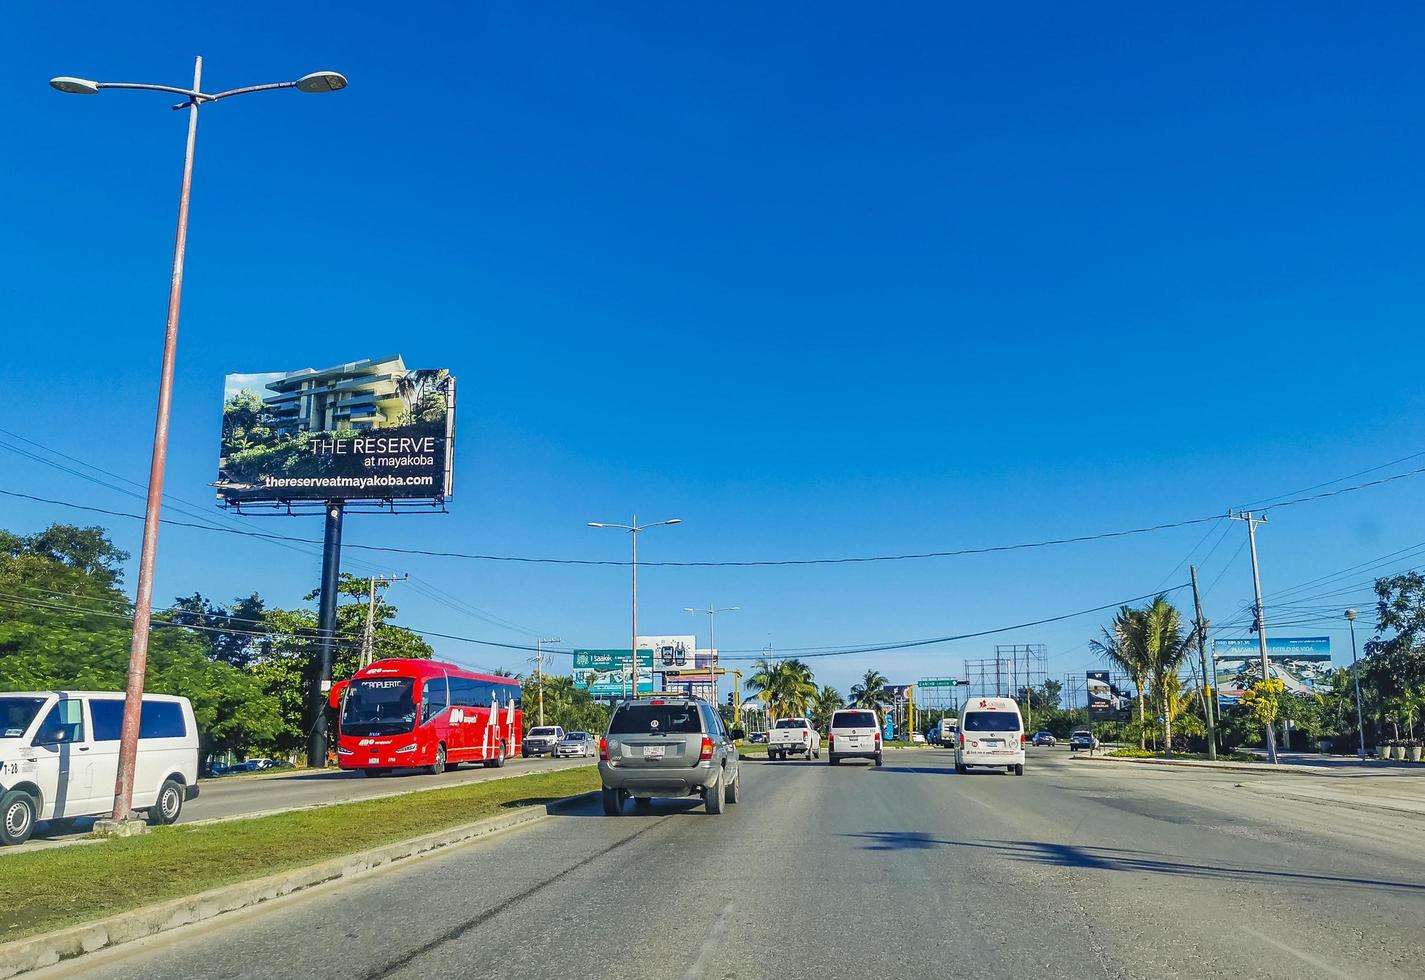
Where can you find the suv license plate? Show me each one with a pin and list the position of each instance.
(653, 752)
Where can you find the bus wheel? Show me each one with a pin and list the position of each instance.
(498, 761)
(438, 766)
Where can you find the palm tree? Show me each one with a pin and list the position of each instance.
(795, 689)
(1123, 646)
(828, 699)
(759, 682)
(871, 691)
(1165, 648)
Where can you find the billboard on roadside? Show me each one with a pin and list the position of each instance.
(608, 673)
(1104, 699)
(1302, 663)
(670, 652)
(365, 430)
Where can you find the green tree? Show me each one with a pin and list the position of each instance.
(72, 631)
(870, 691)
(826, 703)
(1123, 645)
(787, 687)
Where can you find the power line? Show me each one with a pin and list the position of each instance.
(864, 559)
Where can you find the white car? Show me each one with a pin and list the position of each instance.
(59, 757)
(793, 736)
(855, 734)
(542, 740)
(991, 735)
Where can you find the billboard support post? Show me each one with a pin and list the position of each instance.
(326, 627)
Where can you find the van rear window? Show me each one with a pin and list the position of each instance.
(990, 721)
(853, 719)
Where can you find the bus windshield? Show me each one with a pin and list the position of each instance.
(379, 707)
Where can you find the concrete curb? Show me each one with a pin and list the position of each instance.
(1287, 768)
(36, 952)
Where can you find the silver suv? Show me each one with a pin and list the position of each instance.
(668, 746)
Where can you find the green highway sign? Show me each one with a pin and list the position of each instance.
(940, 682)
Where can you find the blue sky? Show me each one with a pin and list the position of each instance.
(820, 280)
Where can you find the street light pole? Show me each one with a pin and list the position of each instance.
(122, 815)
(712, 612)
(633, 528)
(1356, 680)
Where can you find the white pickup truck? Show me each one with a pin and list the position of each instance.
(793, 736)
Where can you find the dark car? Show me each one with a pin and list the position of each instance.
(1045, 738)
(758, 738)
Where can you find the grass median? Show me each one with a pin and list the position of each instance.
(50, 889)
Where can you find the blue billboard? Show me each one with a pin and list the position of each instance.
(606, 673)
(1302, 663)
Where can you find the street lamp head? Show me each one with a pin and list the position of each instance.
(74, 86)
(596, 524)
(1350, 614)
(322, 81)
(674, 520)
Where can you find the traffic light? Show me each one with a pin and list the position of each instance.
(729, 699)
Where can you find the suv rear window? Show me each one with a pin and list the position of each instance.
(991, 721)
(853, 719)
(637, 719)
(792, 723)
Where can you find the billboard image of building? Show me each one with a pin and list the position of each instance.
(608, 673)
(365, 430)
(1303, 664)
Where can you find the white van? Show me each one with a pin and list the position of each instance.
(59, 757)
(991, 735)
(855, 734)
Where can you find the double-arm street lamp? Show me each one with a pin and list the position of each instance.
(712, 612)
(633, 530)
(193, 98)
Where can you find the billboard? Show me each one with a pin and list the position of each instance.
(670, 652)
(1104, 699)
(366, 430)
(1302, 663)
(607, 673)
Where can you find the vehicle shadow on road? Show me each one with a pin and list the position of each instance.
(1121, 859)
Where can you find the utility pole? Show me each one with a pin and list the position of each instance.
(1252, 521)
(368, 637)
(539, 670)
(634, 528)
(1209, 695)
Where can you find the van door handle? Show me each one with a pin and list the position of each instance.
(83, 748)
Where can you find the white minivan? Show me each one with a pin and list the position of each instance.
(59, 757)
(991, 735)
(855, 734)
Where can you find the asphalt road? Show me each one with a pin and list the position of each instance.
(235, 796)
(1073, 870)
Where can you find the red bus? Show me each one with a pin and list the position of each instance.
(398, 714)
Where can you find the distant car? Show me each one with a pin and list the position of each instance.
(793, 736)
(917, 739)
(542, 740)
(1083, 739)
(575, 745)
(758, 738)
(1045, 738)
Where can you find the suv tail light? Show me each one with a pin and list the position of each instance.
(706, 754)
(603, 750)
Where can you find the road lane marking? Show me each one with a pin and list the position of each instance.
(719, 926)
(1306, 958)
